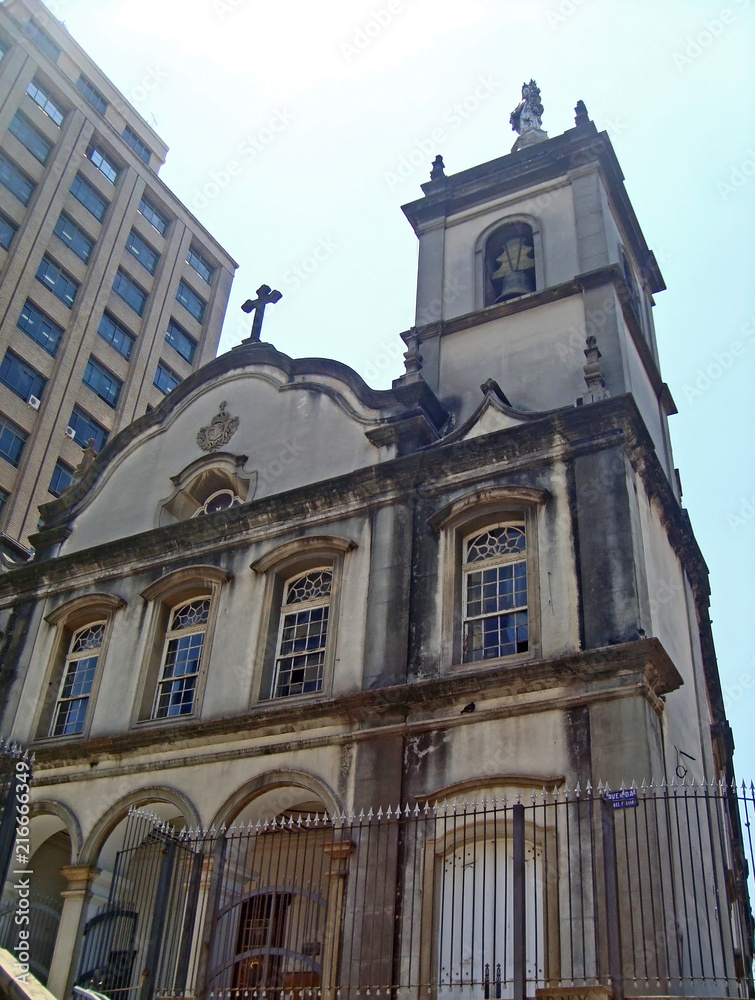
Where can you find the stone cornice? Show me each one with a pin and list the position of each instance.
(638, 668)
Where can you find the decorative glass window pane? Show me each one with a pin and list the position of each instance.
(102, 382)
(92, 95)
(62, 477)
(16, 181)
(21, 378)
(200, 264)
(103, 164)
(153, 216)
(78, 677)
(36, 91)
(131, 293)
(60, 283)
(191, 301)
(111, 330)
(165, 379)
(8, 230)
(12, 441)
(28, 136)
(74, 237)
(40, 328)
(91, 199)
(143, 252)
(180, 341)
(87, 428)
(495, 593)
(50, 48)
(181, 661)
(140, 148)
(302, 634)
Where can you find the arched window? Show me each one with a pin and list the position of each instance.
(78, 677)
(509, 263)
(83, 628)
(303, 634)
(181, 660)
(495, 592)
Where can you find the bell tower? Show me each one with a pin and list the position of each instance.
(524, 259)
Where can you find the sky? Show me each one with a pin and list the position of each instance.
(294, 127)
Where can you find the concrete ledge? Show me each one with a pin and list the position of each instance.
(29, 988)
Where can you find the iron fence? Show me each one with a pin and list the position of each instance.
(15, 769)
(641, 890)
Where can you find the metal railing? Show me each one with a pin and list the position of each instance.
(641, 890)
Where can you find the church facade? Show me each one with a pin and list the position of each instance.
(284, 594)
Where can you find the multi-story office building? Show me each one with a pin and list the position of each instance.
(111, 292)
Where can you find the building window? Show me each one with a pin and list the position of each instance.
(4, 498)
(78, 678)
(21, 378)
(30, 138)
(131, 293)
(141, 149)
(143, 252)
(103, 164)
(116, 335)
(495, 593)
(153, 216)
(200, 264)
(60, 283)
(102, 382)
(92, 201)
(182, 657)
(74, 237)
(180, 341)
(40, 328)
(509, 263)
(16, 181)
(165, 378)
(191, 301)
(12, 441)
(62, 477)
(86, 429)
(42, 99)
(303, 633)
(8, 230)
(92, 95)
(50, 48)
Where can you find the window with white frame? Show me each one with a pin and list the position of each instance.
(495, 619)
(181, 659)
(302, 634)
(78, 677)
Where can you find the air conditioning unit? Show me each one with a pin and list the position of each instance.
(33, 402)
(70, 432)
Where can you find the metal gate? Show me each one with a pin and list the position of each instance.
(140, 944)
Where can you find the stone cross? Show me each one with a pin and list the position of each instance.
(265, 296)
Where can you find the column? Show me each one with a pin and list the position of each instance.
(339, 851)
(68, 942)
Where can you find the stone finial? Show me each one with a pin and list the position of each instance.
(412, 360)
(86, 459)
(527, 117)
(581, 116)
(596, 384)
(438, 169)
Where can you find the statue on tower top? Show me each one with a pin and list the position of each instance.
(526, 118)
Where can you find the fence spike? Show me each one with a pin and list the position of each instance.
(407, 810)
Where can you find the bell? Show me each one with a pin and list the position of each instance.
(516, 283)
